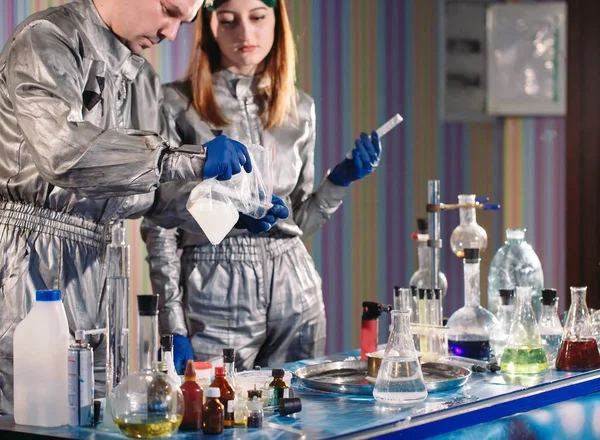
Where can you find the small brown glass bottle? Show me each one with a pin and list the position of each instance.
(279, 385)
(227, 396)
(212, 412)
(192, 400)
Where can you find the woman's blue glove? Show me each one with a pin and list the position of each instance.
(258, 225)
(365, 157)
(182, 352)
(224, 158)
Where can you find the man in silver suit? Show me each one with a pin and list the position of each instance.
(80, 110)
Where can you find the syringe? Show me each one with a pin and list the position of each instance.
(384, 129)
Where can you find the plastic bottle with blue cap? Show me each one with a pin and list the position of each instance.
(41, 343)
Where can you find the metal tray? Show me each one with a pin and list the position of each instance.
(350, 377)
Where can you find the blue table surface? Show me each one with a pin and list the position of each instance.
(484, 398)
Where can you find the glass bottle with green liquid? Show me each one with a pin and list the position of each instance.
(524, 352)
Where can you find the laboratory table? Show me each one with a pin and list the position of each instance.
(554, 402)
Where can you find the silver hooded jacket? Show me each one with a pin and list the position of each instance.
(78, 149)
(293, 176)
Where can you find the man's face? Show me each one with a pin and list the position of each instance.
(143, 23)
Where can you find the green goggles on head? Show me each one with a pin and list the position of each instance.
(211, 5)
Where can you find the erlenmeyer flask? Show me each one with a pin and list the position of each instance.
(578, 350)
(551, 329)
(400, 379)
(524, 353)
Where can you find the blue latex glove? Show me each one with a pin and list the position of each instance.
(182, 352)
(258, 225)
(364, 160)
(224, 158)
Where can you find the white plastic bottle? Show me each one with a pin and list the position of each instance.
(41, 343)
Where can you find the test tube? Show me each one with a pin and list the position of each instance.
(423, 316)
(402, 299)
(437, 307)
(429, 315)
(384, 129)
(414, 316)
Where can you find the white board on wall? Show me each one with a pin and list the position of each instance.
(527, 59)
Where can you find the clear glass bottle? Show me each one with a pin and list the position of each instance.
(117, 312)
(400, 379)
(515, 264)
(524, 353)
(499, 333)
(240, 412)
(147, 404)
(578, 349)
(470, 326)
(421, 278)
(166, 355)
(255, 413)
(468, 234)
(550, 327)
(229, 364)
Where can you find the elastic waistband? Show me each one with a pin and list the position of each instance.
(48, 221)
(243, 248)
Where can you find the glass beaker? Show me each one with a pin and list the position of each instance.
(470, 326)
(468, 234)
(147, 404)
(578, 350)
(551, 329)
(400, 379)
(524, 353)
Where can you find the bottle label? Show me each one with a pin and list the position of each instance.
(286, 393)
(230, 406)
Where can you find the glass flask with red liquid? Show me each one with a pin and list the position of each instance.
(578, 350)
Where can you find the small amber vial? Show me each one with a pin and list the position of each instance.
(227, 395)
(212, 412)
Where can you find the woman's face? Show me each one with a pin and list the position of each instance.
(244, 31)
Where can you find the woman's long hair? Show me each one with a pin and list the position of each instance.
(278, 77)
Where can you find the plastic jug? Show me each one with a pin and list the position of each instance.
(41, 343)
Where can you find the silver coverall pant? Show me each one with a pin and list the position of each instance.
(259, 294)
(75, 155)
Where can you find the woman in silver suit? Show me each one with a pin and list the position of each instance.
(257, 291)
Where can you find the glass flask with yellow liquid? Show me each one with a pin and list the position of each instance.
(147, 404)
(524, 352)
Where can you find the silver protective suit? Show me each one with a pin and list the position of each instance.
(75, 155)
(259, 294)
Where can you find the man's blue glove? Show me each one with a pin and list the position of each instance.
(258, 225)
(182, 352)
(364, 160)
(224, 158)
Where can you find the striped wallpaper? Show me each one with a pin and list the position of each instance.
(362, 61)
